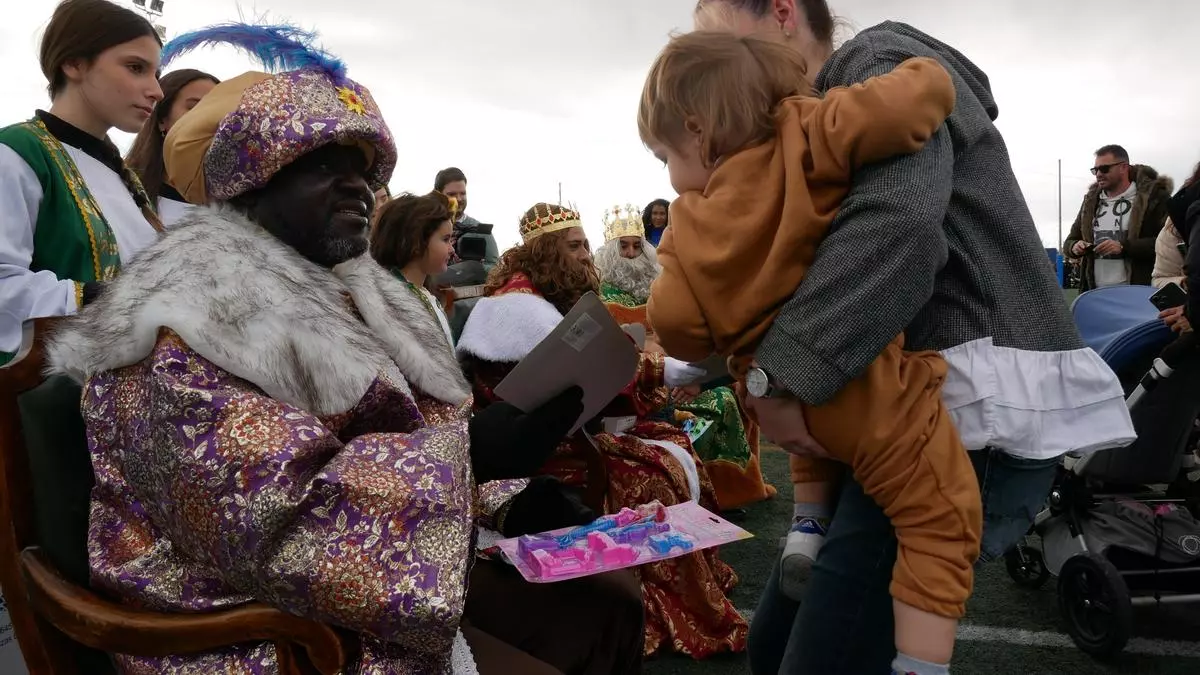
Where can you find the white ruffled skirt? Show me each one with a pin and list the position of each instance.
(1035, 405)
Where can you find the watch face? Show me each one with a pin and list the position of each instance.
(757, 384)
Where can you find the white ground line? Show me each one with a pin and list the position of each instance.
(969, 632)
(1029, 638)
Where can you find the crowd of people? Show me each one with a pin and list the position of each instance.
(286, 403)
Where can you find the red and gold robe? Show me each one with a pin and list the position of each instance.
(730, 448)
(687, 606)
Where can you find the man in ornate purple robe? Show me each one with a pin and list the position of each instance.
(273, 418)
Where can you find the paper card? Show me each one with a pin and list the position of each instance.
(695, 428)
(636, 331)
(583, 557)
(587, 349)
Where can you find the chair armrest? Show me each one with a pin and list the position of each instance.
(111, 627)
(24, 371)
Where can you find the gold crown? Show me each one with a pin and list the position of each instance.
(623, 222)
(542, 218)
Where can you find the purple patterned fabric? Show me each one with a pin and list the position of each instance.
(287, 116)
(209, 494)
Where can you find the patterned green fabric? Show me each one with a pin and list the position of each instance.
(726, 438)
(610, 293)
(71, 237)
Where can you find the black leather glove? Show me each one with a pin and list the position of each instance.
(546, 504)
(91, 291)
(508, 443)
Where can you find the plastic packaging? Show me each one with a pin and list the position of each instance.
(632, 537)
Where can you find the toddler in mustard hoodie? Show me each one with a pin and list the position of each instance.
(761, 166)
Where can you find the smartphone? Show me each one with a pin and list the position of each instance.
(1169, 297)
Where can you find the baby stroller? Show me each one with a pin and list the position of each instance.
(1118, 532)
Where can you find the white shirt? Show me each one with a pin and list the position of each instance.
(1111, 222)
(28, 295)
(441, 315)
(171, 211)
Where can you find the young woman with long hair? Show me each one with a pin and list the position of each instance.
(71, 211)
(182, 90)
(413, 238)
(655, 219)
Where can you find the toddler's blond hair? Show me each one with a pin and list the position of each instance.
(725, 87)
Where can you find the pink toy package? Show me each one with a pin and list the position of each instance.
(629, 538)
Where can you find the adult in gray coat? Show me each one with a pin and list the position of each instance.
(938, 245)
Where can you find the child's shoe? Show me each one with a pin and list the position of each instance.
(803, 542)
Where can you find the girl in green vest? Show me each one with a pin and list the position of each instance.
(70, 210)
(182, 90)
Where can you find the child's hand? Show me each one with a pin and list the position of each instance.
(685, 395)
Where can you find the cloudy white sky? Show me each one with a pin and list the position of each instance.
(525, 94)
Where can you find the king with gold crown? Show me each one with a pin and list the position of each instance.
(632, 456)
(627, 262)
(628, 265)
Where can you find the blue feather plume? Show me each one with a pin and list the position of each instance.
(278, 47)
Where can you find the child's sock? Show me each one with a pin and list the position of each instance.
(907, 665)
(809, 524)
(818, 512)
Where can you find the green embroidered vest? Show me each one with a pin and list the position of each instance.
(71, 237)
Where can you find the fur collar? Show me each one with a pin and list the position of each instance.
(1150, 186)
(504, 328)
(254, 307)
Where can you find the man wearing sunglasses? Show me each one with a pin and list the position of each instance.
(1122, 213)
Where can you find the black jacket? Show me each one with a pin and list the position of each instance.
(1149, 214)
(1185, 214)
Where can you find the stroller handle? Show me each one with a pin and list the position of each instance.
(1171, 357)
(1159, 371)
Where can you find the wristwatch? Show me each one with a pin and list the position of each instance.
(758, 383)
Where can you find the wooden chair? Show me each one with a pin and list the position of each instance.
(62, 627)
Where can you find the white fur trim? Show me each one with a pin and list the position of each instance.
(505, 328)
(242, 299)
(462, 661)
(413, 337)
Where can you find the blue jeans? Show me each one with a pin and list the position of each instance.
(844, 626)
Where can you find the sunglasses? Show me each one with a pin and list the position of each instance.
(1103, 168)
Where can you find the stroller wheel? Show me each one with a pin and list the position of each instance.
(1026, 566)
(1094, 601)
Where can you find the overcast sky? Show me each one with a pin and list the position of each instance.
(524, 94)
